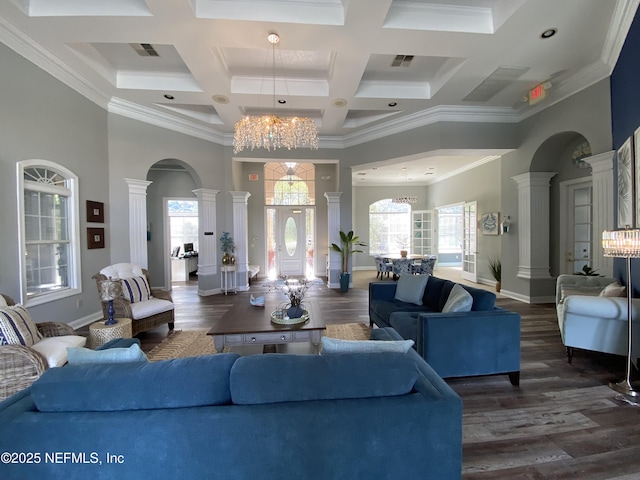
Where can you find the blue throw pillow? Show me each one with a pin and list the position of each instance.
(459, 300)
(82, 356)
(410, 288)
(336, 345)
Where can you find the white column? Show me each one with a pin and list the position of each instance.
(533, 224)
(333, 227)
(207, 263)
(241, 237)
(602, 205)
(138, 221)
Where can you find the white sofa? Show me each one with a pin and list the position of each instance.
(590, 321)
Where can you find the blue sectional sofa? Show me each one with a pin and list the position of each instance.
(345, 415)
(483, 341)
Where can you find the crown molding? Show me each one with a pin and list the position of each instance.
(444, 113)
(22, 44)
(621, 21)
(160, 119)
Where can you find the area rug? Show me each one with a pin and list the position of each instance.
(192, 343)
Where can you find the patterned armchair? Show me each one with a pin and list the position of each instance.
(402, 266)
(383, 266)
(147, 308)
(427, 265)
(21, 365)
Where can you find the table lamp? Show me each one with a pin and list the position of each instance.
(624, 244)
(109, 290)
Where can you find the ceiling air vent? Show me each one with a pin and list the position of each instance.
(144, 49)
(500, 79)
(402, 61)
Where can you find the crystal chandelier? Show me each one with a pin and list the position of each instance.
(273, 131)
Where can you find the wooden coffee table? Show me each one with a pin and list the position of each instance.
(245, 324)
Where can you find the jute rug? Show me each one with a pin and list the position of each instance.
(192, 343)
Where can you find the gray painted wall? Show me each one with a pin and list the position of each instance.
(44, 119)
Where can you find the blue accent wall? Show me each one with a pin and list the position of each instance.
(625, 115)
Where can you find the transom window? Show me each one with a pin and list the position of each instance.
(389, 227)
(290, 183)
(49, 241)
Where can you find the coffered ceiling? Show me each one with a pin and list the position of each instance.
(362, 69)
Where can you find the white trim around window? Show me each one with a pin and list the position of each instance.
(70, 191)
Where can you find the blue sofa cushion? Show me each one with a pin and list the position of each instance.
(384, 308)
(257, 379)
(405, 323)
(183, 382)
(434, 292)
(119, 343)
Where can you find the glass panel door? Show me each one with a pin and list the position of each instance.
(469, 241)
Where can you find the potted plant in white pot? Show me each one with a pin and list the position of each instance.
(348, 243)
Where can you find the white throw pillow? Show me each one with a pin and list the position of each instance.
(410, 288)
(614, 290)
(54, 349)
(459, 300)
(3, 302)
(336, 345)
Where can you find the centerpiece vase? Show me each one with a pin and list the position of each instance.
(228, 259)
(295, 311)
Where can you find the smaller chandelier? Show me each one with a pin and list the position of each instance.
(404, 200)
(273, 131)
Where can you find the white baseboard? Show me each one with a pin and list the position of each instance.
(84, 321)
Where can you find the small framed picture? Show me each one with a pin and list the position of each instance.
(490, 223)
(95, 212)
(626, 209)
(95, 238)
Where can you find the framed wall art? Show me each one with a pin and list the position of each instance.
(624, 161)
(95, 212)
(636, 161)
(490, 223)
(95, 238)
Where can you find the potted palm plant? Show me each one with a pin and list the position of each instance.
(348, 243)
(495, 265)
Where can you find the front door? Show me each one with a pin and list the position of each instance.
(290, 241)
(469, 241)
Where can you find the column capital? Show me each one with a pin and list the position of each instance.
(137, 186)
(531, 179)
(239, 197)
(603, 162)
(206, 193)
(333, 197)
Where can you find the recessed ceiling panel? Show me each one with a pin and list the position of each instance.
(86, 8)
(124, 56)
(318, 12)
(297, 63)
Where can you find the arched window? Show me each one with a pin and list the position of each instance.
(389, 227)
(49, 232)
(290, 183)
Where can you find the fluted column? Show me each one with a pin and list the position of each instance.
(207, 261)
(138, 221)
(241, 237)
(533, 224)
(602, 205)
(333, 227)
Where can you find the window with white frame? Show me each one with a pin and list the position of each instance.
(49, 232)
(389, 227)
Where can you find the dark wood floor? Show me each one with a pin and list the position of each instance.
(563, 422)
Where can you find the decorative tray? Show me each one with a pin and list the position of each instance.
(289, 321)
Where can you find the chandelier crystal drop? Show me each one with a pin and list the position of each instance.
(273, 131)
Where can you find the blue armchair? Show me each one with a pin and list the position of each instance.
(484, 341)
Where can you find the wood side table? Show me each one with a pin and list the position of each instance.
(99, 333)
